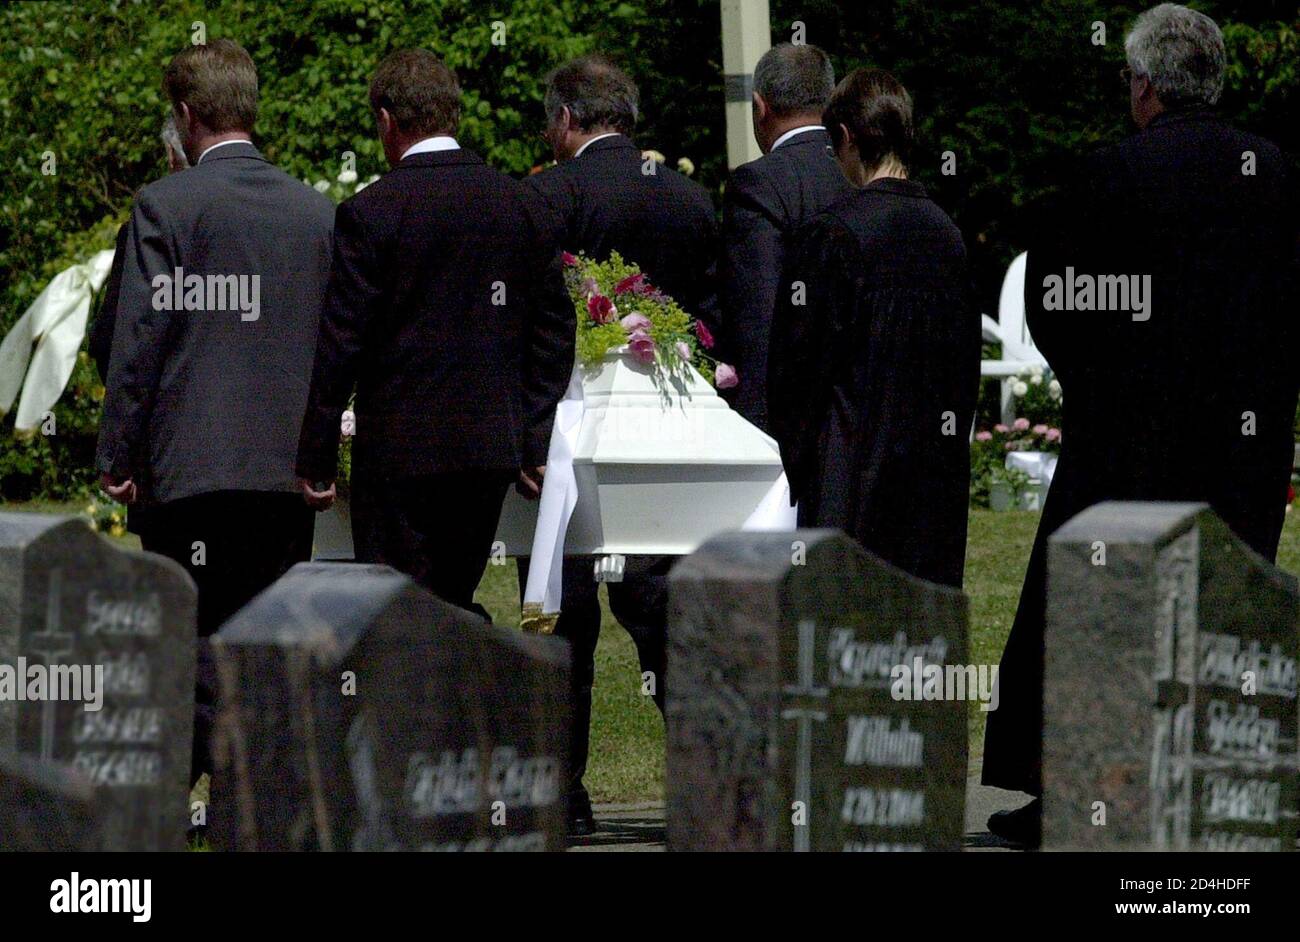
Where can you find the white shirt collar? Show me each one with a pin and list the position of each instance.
(793, 131)
(598, 137)
(220, 144)
(431, 144)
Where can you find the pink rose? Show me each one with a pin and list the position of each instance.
(349, 424)
(684, 351)
(569, 259)
(724, 377)
(600, 308)
(1001, 429)
(634, 322)
(983, 436)
(1053, 434)
(642, 347)
(1040, 429)
(706, 338)
(636, 284)
(1020, 425)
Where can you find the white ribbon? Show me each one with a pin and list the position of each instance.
(48, 335)
(559, 497)
(774, 511)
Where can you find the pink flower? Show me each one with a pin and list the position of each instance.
(983, 436)
(1053, 434)
(600, 308)
(1001, 429)
(684, 350)
(1010, 446)
(589, 287)
(642, 347)
(569, 259)
(636, 284)
(1040, 429)
(1020, 425)
(724, 377)
(635, 321)
(706, 338)
(349, 424)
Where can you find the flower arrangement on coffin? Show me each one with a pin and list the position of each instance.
(619, 309)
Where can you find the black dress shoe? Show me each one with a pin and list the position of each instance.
(581, 821)
(581, 825)
(1024, 826)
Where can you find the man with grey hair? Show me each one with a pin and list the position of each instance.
(765, 201)
(171, 138)
(1189, 396)
(603, 196)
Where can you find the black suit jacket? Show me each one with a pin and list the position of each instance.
(201, 399)
(1194, 403)
(874, 379)
(603, 202)
(434, 313)
(100, 343)
(765, 201)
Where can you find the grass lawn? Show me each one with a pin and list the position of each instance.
(627, 744)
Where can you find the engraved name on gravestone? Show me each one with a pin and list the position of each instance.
(803, 709)
(357, 711)
(97, 657)
(1170, 707)
(45, 806)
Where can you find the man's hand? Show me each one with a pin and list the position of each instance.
(316, 498)
(529, 484)
(124, 491)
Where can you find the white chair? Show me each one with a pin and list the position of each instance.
(1010, 330)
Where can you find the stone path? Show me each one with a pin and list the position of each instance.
(640, 827)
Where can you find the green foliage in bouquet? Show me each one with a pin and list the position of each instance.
(618, 307)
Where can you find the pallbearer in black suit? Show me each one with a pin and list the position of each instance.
(765, 201)
(1186, 389)
(603, 197)
(100, 341)
(434, 316)
(873, 379)
(223, 268)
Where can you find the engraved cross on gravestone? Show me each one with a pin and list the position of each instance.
(1183, 643)
(786, 728)
(106, 637)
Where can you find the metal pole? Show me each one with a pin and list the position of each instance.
(746, 35)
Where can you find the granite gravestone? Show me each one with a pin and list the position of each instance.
(1169, 685)
(800, 703)
(359, 712)
(45, 806)
(97, 656)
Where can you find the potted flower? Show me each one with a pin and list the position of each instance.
(1012, 465)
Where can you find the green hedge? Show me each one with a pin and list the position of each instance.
(1011, 88)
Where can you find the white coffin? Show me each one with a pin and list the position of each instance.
(661, 465)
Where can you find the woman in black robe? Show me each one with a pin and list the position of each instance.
(874, 365)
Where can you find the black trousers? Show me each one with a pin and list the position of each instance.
(436, 528)
(640, 603)
(248, 540)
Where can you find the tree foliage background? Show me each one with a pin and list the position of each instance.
(1012, 87)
